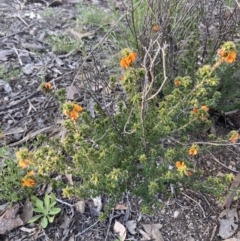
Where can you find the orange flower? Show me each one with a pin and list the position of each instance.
(221, 52)
(204, 107)
(234, 137)
(23, 164)
(31, 173)
(192, 151)
(231, 57)
(182, 168)
(195, 110)
(131, 57)
(47, 86)
(155, 27)
(73, 115)
(124, 63)
(228, 57)
(177, 82)
(127, 61)
(28, 182)
(77, 108)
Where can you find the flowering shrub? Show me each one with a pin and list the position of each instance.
(166, 94)
(116, 152)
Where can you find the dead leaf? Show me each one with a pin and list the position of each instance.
(120, 229)
(97, 203)
(80, 206)
(5, 53)
(14, 131)
(120, 207)
(27, 212)
(10, 220)
(131, 225)
(81, 35)
(144, 234)
(69, 178)
(28, 230)
(3, 207)
(228, 219)
(71, 92)
(153, 231)
(66, 221)
(233, 188)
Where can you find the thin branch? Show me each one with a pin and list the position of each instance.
(204, 215)
(164, 73)
(215, 159)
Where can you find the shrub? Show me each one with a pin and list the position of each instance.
(119, 143)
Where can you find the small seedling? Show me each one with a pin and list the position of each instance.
(46, 209)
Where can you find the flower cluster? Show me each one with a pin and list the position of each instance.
(28, 181)
(182, 168)
(24, 160)
(128, 57)
(227, 53)
(202, 112)
(72, 110)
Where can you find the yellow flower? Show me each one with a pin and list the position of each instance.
(23, 163)
(28, 182)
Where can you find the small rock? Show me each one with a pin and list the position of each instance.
(80, 206)
(176, 214)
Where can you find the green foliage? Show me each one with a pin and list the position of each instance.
(10, 177)
(46, 209)
(64, 43)
(8, 75)
(89, 14)
(165, 96)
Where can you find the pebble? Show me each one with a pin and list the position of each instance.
(176, 214)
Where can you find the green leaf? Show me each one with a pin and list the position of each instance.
(39, 205)
(47, 201)
(44, 222)
(38, 210)
(34, 198)
(35, 218)
(51, 218)
(54, 211)
(53, 197)
(52, 204)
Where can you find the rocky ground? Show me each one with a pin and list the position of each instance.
(27, 57)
